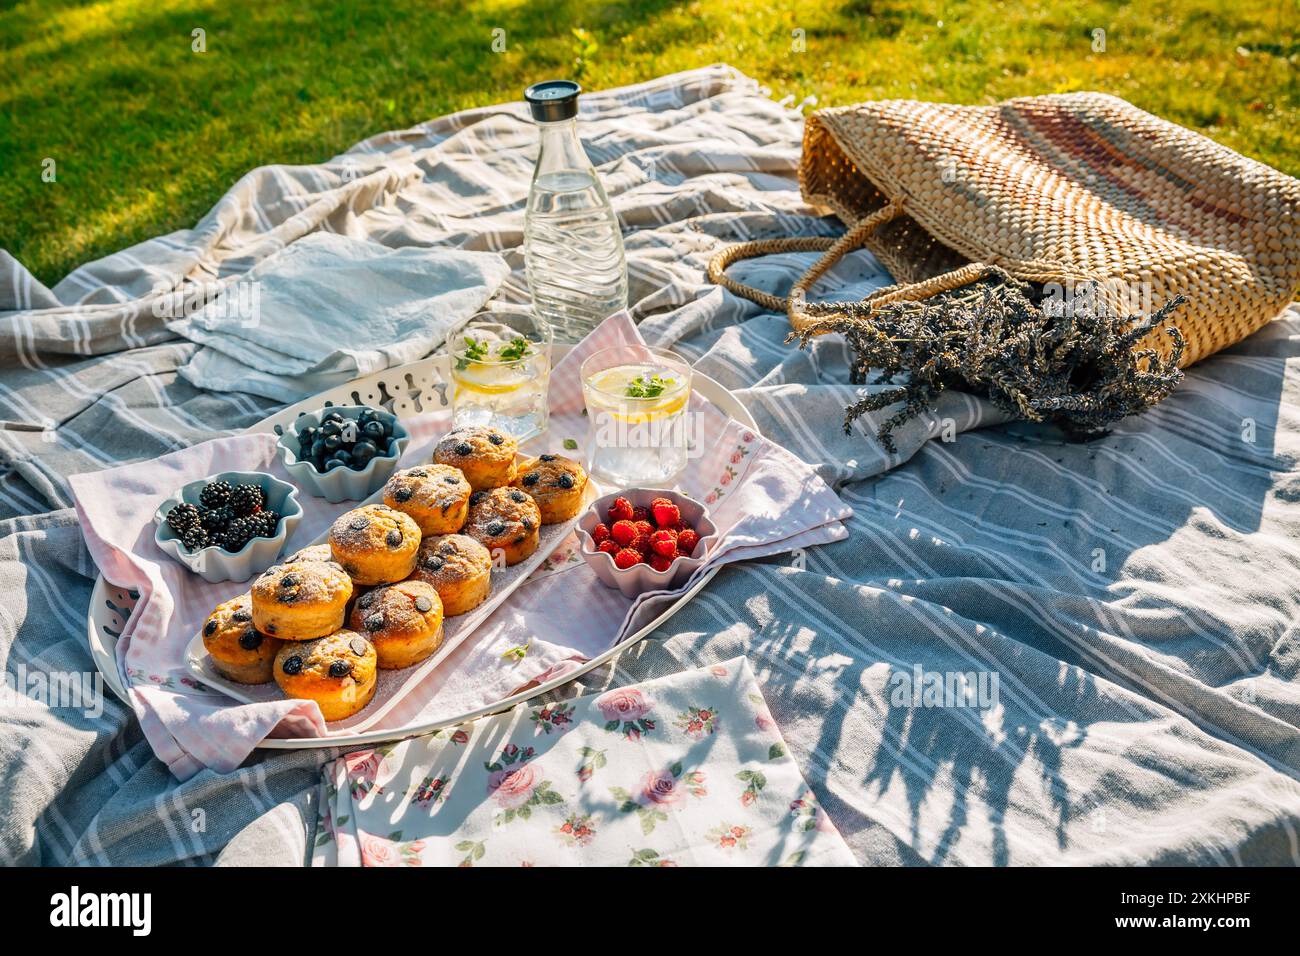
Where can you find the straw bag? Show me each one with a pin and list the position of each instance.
(1073, 190)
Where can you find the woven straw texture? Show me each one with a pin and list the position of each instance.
(1078, 187)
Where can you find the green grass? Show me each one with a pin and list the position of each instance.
(147, 134)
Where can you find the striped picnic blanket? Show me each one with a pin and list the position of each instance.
(1124, 610)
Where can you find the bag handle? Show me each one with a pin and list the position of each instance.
(803, 316)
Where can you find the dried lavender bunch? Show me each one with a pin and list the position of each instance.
(1075, 366)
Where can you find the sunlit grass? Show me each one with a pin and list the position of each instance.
(147, 134)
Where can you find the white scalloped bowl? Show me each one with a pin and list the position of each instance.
(342, 484)
(641, 578)
(214, 563)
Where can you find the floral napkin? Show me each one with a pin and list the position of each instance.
(686, 770)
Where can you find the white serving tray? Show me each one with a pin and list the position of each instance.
(406, 390)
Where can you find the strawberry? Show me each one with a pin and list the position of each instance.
(640, 514)
(667, 514)
(609, 546)
(623, 532)
(620, 510)
(600, 533)
(661, 562)
(644, 527)
(626, 559)
(687, 539)
(663, 543)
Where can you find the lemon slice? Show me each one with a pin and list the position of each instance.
(491, 379)
(613, 382)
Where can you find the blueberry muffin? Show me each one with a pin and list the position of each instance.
(375, 544)
(556, 483)
(403, 621)
(314, 552)
(486, 456)
(504, 519)
(338, 672)
(301, 600)
(436, 496)
(239, 651)
(458, 568)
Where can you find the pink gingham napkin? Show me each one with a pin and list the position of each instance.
(763, 500)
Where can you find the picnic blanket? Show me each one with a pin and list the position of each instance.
(1134, 597)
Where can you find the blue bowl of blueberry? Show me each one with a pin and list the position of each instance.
(343, 452)
(230, 526)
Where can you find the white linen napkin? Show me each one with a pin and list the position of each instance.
(329, 309)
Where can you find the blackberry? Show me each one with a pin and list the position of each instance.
(246, 499)
(215, 494)
(194, 538)
(265, 523)
(183, 517)
(237, 534)
(216, 519)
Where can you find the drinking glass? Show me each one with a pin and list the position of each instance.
(500, 369)
(637, 399)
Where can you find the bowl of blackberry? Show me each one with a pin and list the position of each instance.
(343, 452)
(230, 526)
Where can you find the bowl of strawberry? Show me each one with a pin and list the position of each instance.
(645, 539)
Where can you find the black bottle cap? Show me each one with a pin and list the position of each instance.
(553, 100)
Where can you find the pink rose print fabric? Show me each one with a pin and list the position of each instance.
(687, 770)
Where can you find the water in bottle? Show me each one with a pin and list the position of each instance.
(573, 249)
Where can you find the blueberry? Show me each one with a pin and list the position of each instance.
(402, 494)
(318, 449)
(333, 442)
(419, 473)
(565, 480)
(331, 429)
(527, 523)
(394, 538)
(241, 617)
(359, 523)
(451, 480)
(292, 665)
(374, 431)
(495, 439)
(476, 497)
(250, 640)
(546, 458)
(495, 528)
(335, 417)
(463, 448)
(518, 497)
(289, 580)
(531, 479)
(210, 628)
(366, 599)
(330, 464)
(374, 622)
(363, 451)
(434, 563)
(342, 457)
(340, 668)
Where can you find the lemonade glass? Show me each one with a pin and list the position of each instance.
(500, 368)
(637, 399)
